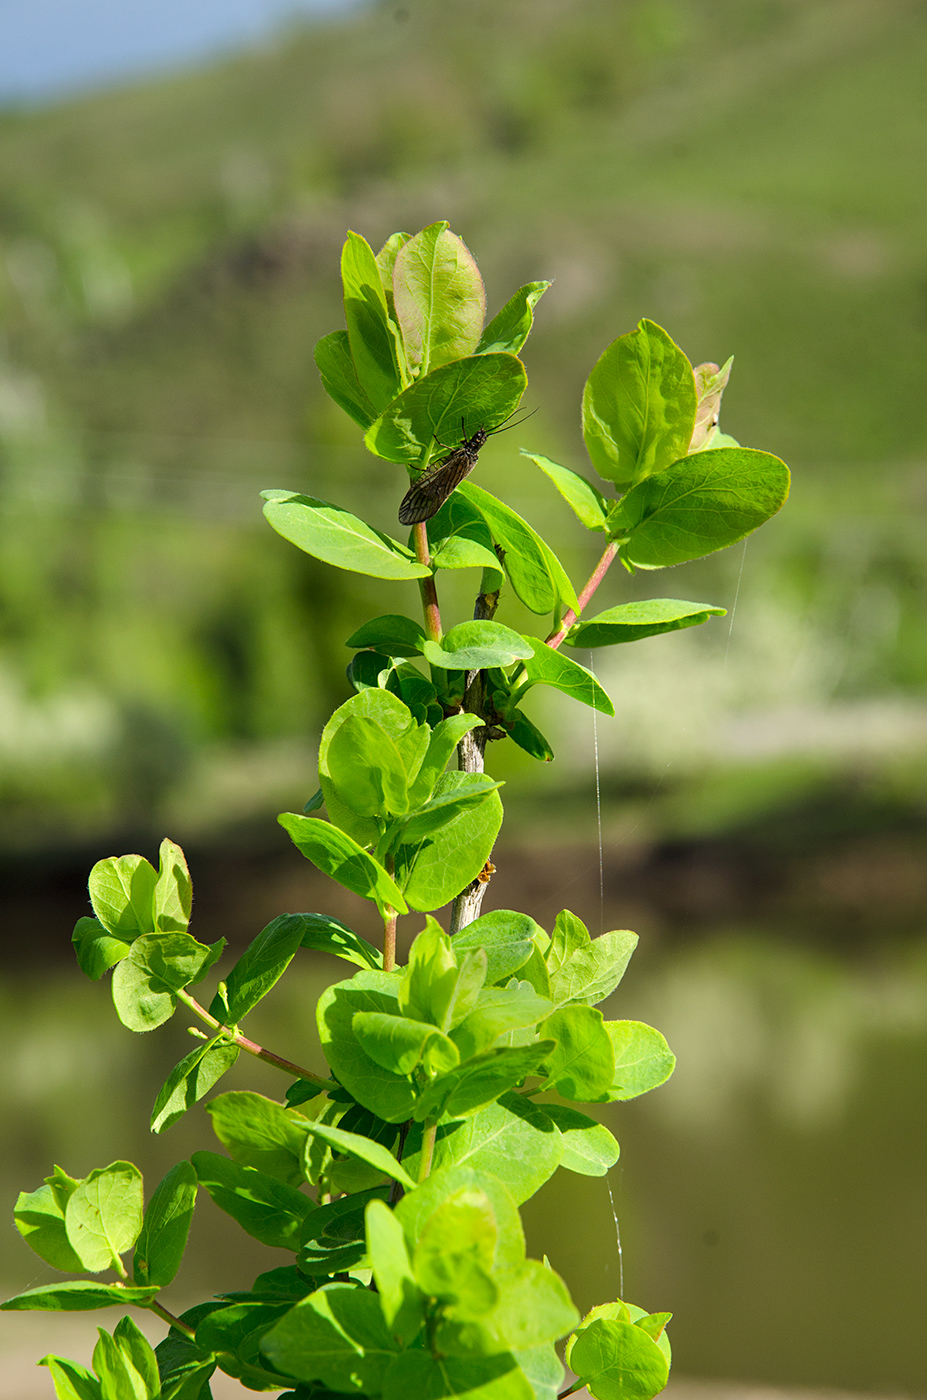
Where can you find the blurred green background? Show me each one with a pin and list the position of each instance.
(748, 173)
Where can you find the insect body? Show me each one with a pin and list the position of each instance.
(426, 496)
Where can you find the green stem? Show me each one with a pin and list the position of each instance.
(251, 1046)
(596, 577)
(427, 584)
(577, 1385)
(171, 1320)
(428, 1150)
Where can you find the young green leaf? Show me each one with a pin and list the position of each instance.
(510, 327)
(333, 1238)
(156, 968)
(141, 1364)
(264, 1207)
(122, 894)
(392, 634)
(332, 355)
(39, 1218)
(591, 973)
(700, 504)
(570, 934)
(585, 500)
(388, 1095)
(327, 935)
(356, 1145)
(103, 1217)
(549, 667)
(338, 1336)
(542, 1367)
(386, 261)
(172, 901)
(442, 810)
(190, 1080)
(475, 646)
(163, 1239)
(479, 1081)
(455, 1253)
(367, 769)
(439, 298)
(448, 405)
(710, 384)
(415, 1208)
(330, 533)
(498, 1010)
(588, 1147)
(96, 949)
(618, 1361)
(535, 572)
(234, 1334)
(400, 1296)
(427, 988)
(528, 737)
(257, 1132)
(367, 318)
(416, 1373)
(507, 938)
(639, 406)
(83, 1296)
(629, 622)
(433, 871)
(582, 1066)
(399, 1044)
(411, 739)
(260, 967)
(534, 1307)
(643, 1060)
(443, 741)
(337, 855)
(71, 1380)
(470, 547)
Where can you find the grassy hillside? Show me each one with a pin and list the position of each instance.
(748, 174)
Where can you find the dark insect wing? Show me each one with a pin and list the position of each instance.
(426, 496)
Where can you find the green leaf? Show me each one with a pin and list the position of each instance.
(463, 551)
(549, 667)
(479, 1081)
(414, 1373)
(338, 1336)
(542, 1367)
(629, 622)
(507, 938)
(334, 535)
(583, 1064)
(235, 1332)
(122, 894)
(261, 965)
(336, 854)
(498, 1010)
(172, 902)
(257, 1132)
(160, 1246)
(39, 1218)
(400, 1297)
(510, 327)
(475, 646)
(618, 1361)
(395, 718)
(156, 968)
(355, 1145)
(444, 739)
(700, 504)
(588, 1147)
(437, 813)
(367, 769)
(185, 1371)
(137, 1352)
(82, 1296)
(324, 934)
(439, 298)
(513, 1139)
(190, 1080)
(454, 1256)
(399, 1044)
(367, 319)
(570, 934)
(96, 950)
(638, 406)
(71, 1380)
(535, 572)
(416, 1207)
(528, 737)
(458, 537)
(431, 872)
(591, 973)
(392, 634)
(388, 1095)
(643, 1060)
(447, 405)
(263, 1206)
(585, 500)
(333, 1237)
(103, 1217)
(386, 261)
(534, 1307)
(332, 355)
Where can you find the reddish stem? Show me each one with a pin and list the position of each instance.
(389, 940)
(252, 1046)
(427, 584)
(601, 569)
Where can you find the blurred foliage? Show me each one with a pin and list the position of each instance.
(749, 175)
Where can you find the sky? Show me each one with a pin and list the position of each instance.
(50, 48)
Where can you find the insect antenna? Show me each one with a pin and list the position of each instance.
(503, 429)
